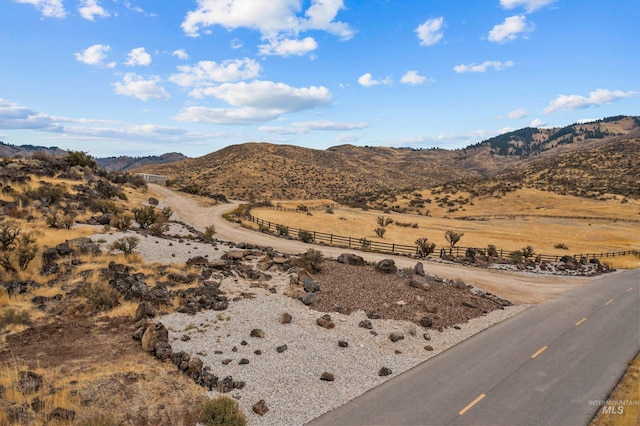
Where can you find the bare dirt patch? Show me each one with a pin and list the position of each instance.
(389, 296)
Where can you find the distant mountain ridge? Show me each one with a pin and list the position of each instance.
(117, 164)
(259, 171)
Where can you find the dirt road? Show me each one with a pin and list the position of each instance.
(514, 286)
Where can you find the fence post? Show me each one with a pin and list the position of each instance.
(331, 239)
(349, 242)
(393, 248)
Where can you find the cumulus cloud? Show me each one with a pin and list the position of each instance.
(207, 73)
(255, 102)
(288, 47)
(516, 114)
(48, 8)
(412, 77)
(595, 98)
(367, 80)
(305, 127)
(267, 95)
(510, 29)
(278, 21)
(483, 67)
(180, 54)
(537, 123)
(89, 9)
(93, 55)
(137, 86)
(528, 5)
(430, 32)
(138, 56)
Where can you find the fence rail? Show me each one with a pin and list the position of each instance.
(400, 249)
(549, 216)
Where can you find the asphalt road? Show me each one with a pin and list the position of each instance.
(542, 367)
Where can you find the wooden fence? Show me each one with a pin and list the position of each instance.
(398, 249)
(549, 216)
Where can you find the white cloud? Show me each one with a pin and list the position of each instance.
(267, 95)
(181, 54)
(516, 114)
(90, 9)
(93, 55)
(412, 77)
(595, 98)
(276, 20)
(537, 123)
(206, 73)
(144, 89)
(305, 127)
(225, 115)
(236, 43)
(48, 8)
(430, 32)
(483, 67)
(348, 137)
(255, 102)
(138, 56)
(510, 29)
(14, 116)
(367, 80)
(529, 5)
(288, 47)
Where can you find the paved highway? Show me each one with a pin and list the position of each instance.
(542, 367)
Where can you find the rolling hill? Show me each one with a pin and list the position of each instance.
(357, 175)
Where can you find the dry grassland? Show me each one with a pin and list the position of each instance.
(543, 234)
(628, 392)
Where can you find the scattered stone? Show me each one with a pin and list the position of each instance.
(163, 350)
(285, 318)
(387, 266)
(260, 408)
(343, 344)
(226, 361)
(426, 322)
(226, 385)
(325, 322)
(145, 310)
(257, 352)
(185, 338)
(243, 361)
(244, 343)
(311, 286)
(395, 336)
(365, 324)
(419, 269)
(234, 349)
(432, 308)
(469, 304)
(384, 371)
(428, 348)
(282, 348)
(256, 332)
(343, 310)
(309, 298)
(327, 377)
(239, 384)
(153, 334)
(426, 336)
(457, 327)
(351, 259)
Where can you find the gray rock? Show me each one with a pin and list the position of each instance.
(351, 259)
(325, 322)
(384, 371)
(366, 324)
(395, 336)
(260, 408)
(419, 269)
(387, 266)
(311, 285)
(309, 298)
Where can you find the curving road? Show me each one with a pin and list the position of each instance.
(517, 287)
(550, 365)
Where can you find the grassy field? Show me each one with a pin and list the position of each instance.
(542, 233)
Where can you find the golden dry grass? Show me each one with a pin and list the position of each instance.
(628, 390)
(542, 233)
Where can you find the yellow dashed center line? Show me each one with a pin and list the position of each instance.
(581, 321)
(474, 402)
(542, 349)
(609, 301)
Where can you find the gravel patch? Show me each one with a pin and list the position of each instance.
(289, 381)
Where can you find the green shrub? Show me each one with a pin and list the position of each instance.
(209, 234)
(561, 246)
(122, 222)
(516, 256)
(527, 252)
(305, 236)
(222, 411)
(282, 230)
(311, 261)
(100, 295)
(424, 247)
(492, 251)
(126, 244)
(145, 216)
(105, 206)
(380, 231)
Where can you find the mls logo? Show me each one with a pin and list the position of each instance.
(613, 409)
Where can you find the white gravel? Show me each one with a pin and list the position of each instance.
(289, 382)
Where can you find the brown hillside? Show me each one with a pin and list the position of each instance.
(357, 175)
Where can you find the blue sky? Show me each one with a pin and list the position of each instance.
(141, 77)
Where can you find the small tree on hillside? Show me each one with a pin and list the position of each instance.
(424, 247)
(453, 237)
